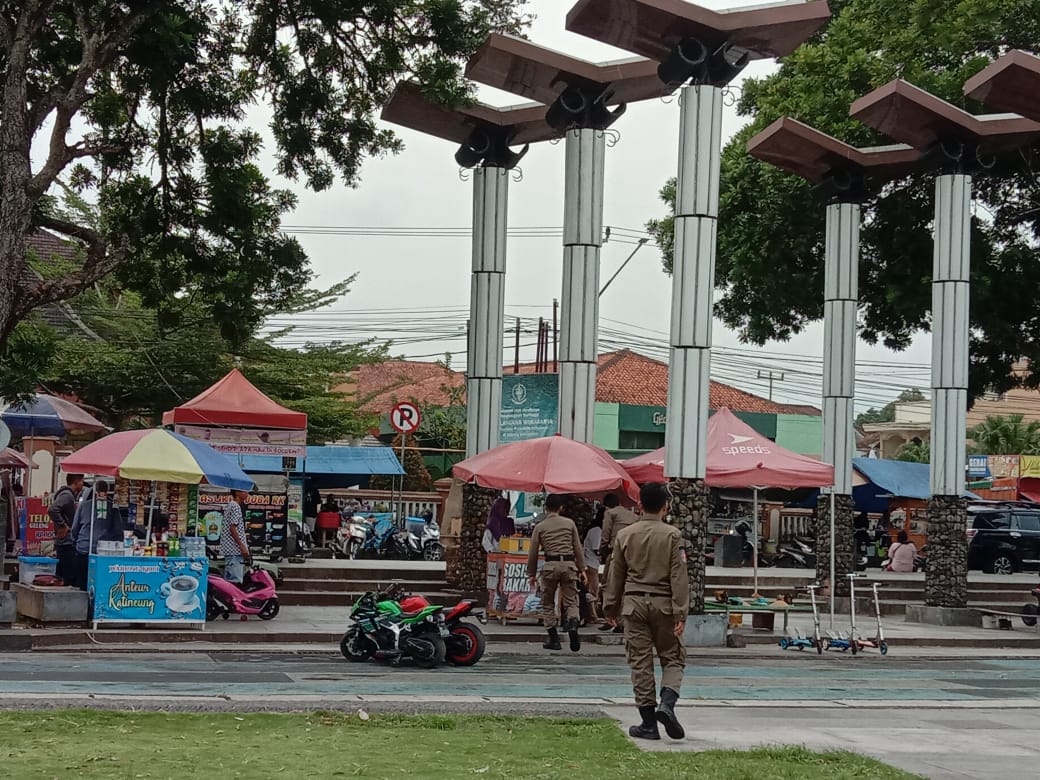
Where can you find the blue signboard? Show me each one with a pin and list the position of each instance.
(148, 590)
(978, 466)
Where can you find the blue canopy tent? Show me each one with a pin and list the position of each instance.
(329, 461)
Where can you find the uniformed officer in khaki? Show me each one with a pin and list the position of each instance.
(616, 518)
(557, 537)
(648, 587)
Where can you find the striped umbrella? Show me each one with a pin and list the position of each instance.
(157, 455)
(47, 415)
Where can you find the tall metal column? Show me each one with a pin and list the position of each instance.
(950, 293)
(693, 281)
(835, 548)
(582, 240)
(486, 309)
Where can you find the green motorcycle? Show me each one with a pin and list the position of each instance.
(383, 630)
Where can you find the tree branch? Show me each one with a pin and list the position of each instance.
(102, 259)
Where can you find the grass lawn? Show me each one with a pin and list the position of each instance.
(88, 744)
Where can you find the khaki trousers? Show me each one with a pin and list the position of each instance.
(562, 576)
(650, 627)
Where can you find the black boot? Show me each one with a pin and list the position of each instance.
(648, 728)
(553, 641)
(666, 714)
(575, 637)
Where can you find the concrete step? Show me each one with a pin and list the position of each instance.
(347, 598)
(362, 585)
(384, 574)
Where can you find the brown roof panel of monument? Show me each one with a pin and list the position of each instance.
(1011, 83)
(805, 151)
(538, 73)
(912, 116)
(410, 107)
(651, 28)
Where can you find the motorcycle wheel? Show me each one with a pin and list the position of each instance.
(352, 550)
(1029, 612)
(355, 646)
(434, 656)
(466, 644)
(214, 609)
(269, 611)
(433, 552)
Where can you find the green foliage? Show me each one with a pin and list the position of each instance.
(29, 350)
(445, 426)
(1009, 435)
(887, 413)
(148, 101)
(914, 452)
(771, 248)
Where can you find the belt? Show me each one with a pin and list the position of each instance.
(552, 558)
(646, 593)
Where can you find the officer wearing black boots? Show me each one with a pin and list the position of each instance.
(648, 587)
(557, 537)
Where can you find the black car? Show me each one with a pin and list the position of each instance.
(1004, 538)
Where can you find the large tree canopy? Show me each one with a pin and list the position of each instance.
(771, 249)
(137, 107)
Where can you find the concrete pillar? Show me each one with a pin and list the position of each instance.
(487, 309)
(579, 309)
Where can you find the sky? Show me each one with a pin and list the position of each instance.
(415, 288)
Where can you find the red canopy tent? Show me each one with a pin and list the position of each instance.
(740, 456)
(234, 401)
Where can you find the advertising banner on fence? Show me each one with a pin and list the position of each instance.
(35, 528)
(148, 590)
(510, 594)
(530, 406)
(206, 513)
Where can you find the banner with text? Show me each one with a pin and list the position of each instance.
(148, 590)
(249, 441)
(530, 406)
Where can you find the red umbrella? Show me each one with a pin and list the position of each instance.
(740, 456)
(552, 464)
(14, 459)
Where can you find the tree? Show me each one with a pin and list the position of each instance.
(770, 259)
(139, 107)
(887, 413)
(416, 476)
(915, 452)
(1010, 435)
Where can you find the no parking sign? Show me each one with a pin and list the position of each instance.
(405, 417)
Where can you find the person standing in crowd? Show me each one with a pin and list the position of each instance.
(557, 537)
(233, 545)
(499, 524)
(593, 540)
(108, 525)
(648, 587)
(62, 512)
(615, 519)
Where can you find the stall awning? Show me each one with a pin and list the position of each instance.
(1029, 488)
(899, 478)
(350, 461)
(235, 401)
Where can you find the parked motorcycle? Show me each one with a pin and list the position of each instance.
(798, 554)
(303, 542)
(256, 595)
(382, 629)
(1030, 611)
(350, 538)
(465, 642)
(764, 559)
(216, 566)
(429, 538)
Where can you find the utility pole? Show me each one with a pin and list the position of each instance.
(772, 377)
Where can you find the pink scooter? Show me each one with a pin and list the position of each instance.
(255, 596)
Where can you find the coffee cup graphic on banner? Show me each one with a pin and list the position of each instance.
(180, 594)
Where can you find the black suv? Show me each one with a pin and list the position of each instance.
(1004, 538)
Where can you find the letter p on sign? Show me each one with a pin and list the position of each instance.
(405, 417)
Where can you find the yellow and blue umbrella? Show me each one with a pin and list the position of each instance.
(157, 455)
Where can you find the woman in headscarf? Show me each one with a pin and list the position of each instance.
(499, 524)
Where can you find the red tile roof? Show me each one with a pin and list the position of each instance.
(624, 377)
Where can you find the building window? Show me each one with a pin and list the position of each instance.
(640, 440)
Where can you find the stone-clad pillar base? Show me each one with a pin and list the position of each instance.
(471, 577)
(688, 511)
(946, 579)
(845, 554)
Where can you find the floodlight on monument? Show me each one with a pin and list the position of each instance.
(490, 147)
(578, 107)
(683, 64)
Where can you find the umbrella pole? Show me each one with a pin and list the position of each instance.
(29, 472)
(151, 512)
(832, 559)
(754, 543)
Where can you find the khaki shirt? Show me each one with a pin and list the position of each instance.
(555, 535)
(615, 521)
(648, 557)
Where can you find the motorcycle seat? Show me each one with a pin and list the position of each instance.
(410, 615)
